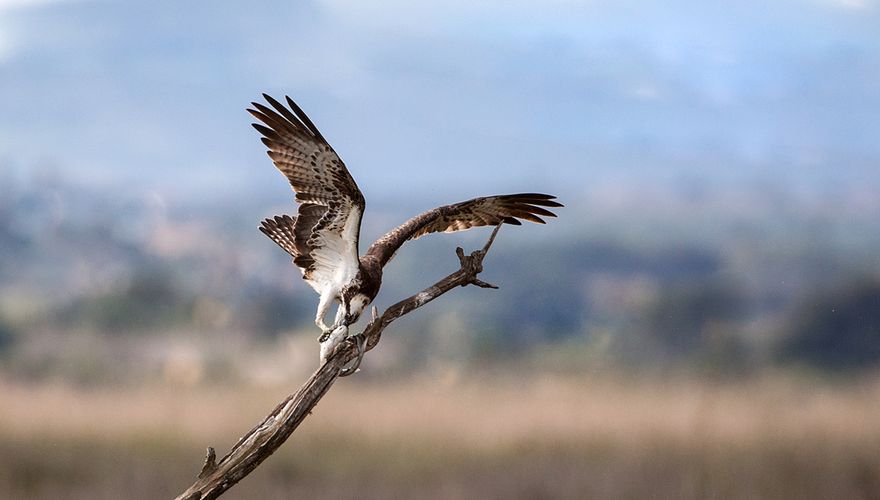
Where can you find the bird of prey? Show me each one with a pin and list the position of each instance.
(323, 236)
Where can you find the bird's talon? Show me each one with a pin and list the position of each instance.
(361, 343)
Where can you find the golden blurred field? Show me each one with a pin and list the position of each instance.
(450, 437)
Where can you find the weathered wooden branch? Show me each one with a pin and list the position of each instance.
(261, 441)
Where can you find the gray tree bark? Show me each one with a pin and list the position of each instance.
(261, 441)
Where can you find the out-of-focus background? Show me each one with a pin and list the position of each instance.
(702, 320)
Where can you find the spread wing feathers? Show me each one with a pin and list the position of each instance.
(326, 229)
(486, 211)
(280, 230)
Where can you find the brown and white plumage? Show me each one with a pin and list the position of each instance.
(280, 230)
(323, 237)
(327, 226)
(484, 211)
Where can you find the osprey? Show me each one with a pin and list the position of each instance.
(323, 237)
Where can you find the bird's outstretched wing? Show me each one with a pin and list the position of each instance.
(326, 229)
(486, 211)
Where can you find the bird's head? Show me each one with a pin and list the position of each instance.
(356, 305)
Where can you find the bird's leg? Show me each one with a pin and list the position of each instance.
(361, 342)
(341, 312)
(323, 306)
(338, 333)
(334, 338)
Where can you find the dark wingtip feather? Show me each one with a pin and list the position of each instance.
(304, 118)
(256, 114)
(266, 131)
(529, 217)
(284, 220)
(297, 117)
(274, 102)
(541, 199)
(266, 225)
(538, 210)
(535, 195)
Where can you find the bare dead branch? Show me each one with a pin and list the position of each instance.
(261, 441)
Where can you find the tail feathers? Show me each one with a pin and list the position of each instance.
(280, 230)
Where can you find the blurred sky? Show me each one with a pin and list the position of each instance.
(551, 96)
